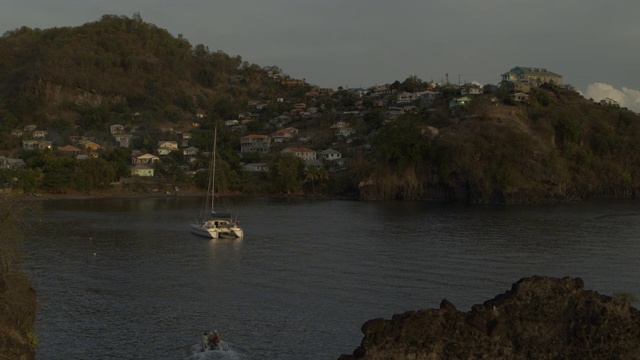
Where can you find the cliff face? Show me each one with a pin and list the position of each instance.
(539, 318)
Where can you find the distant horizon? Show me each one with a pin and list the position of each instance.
(357, 44)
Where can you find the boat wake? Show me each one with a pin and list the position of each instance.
(228, 352)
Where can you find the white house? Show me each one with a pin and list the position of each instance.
(256, 167)
(142, 171)
(303, 153)
(329, 155)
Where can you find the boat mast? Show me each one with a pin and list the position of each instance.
(213, 168)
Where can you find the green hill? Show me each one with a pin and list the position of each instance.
(102, 72)
(558, 146)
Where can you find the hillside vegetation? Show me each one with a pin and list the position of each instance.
(557, 147)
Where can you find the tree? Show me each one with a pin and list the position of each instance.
(91, 174)
(316, 173)
(285, 173)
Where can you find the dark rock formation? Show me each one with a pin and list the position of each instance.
(539, 318)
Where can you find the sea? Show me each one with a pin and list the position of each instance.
(125, 279)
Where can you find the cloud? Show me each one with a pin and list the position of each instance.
(626, 97)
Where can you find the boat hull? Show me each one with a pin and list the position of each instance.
(208, 230)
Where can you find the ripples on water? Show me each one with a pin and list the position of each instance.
(124, 279)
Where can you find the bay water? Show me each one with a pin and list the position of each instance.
(124, 278)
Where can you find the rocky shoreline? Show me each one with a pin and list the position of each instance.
(539, 318)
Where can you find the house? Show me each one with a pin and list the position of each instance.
(255, 143)
(471, 89)
(236, 79)
(283, 135)
(430, 131)
(427, 98)
(329, 155)
(190, 151)
(171, 145)
(303, 153)
(30, 128)
(256, 167)
(123, 140)
(164, 151)
(404, 98)
(168, 130)
(345, 132)
(69, 151)
(142, 171)
(44, 144)
(116, 129)
(535, 76)
(519, 97)
(30, 144)
(39, 134)
(11, 164)
(340, 125)
(609, 102)
(16, 133)
(232, 122)
(461, 101)
(146, 159)
(90, 145)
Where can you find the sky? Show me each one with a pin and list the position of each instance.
(593, 44)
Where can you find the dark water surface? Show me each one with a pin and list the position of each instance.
(124, 279)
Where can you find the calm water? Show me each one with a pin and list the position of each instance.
(124, 279)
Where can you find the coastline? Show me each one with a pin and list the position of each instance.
(106, 194)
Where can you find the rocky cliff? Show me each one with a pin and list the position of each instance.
(539, 318)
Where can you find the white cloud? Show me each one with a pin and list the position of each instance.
(629, 98)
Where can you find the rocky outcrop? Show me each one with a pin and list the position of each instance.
(539, 318)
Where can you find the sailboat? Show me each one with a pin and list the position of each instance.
(212, 224)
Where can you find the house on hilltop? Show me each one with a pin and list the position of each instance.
(535, 76)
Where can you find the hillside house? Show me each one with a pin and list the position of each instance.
(303, 153)
(345, 132)
(116, 129)
(329, 155)
(609, 102)
(461, 101)
(256, 167)
(190, 151)
(535, 76)
(519, 97)
(171, 145)
(145, 159)
(405, 98)
(45, 144)
(255, 143)
(39, 134)
(123, 140)
(471, 89)
(142, 171)
(11, 164)
(29, 144)
(90, 145)
(69, 151)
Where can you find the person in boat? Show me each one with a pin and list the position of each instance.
(215, 340)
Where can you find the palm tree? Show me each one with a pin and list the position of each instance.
(311, 174)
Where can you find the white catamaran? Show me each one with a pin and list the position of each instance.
(210, 223)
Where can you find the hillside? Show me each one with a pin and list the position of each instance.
(101, 72)
(76, 82)
(558, 146)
